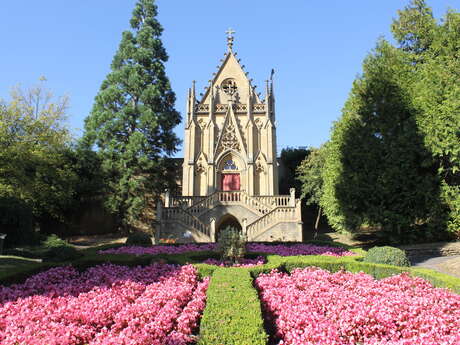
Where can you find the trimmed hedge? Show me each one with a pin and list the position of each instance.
(232, 314)
(387, 255)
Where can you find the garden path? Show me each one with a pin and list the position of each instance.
(444, 264)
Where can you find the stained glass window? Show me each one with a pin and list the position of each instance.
(230, 165)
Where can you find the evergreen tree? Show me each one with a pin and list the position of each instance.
(378, 171)
(415, 27)
(133, 117)
(394, 157)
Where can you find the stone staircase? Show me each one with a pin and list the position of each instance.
(189, 218)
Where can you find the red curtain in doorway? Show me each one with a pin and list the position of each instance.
(230, 182)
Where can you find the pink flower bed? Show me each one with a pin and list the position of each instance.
(280, 249)
(106, 305)
(243, 263)
(313, 306)
(298, 249)
(159, 249)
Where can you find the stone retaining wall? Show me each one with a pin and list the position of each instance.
(432, 249)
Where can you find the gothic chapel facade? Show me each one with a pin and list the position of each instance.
(230, 170)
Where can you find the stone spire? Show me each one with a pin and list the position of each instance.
(230, 38)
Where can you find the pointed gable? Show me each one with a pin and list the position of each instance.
(230, 137)
(230, 69)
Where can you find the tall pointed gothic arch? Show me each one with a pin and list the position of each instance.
(230, 116)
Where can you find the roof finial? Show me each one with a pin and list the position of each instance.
(230, 38)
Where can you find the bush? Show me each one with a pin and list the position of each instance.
(62, 253)
(53, 241)
(232, 314)
(139, 239)
(387, 255)
(232, 244)
(16, 222)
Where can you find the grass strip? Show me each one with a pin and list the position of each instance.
(232, 315)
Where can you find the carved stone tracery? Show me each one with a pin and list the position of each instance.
(229, 139)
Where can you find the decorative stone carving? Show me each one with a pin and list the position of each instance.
(259, 167)
(229, 138)
(259, 124)
(229, 86)
(202, 124)
(200, 168)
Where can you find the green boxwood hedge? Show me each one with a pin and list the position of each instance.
(232, 314)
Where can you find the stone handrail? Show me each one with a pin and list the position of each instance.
(243, 197)
(274, 201)
(185, 201)
(181, 215)
(277, 214)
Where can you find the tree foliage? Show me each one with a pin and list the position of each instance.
(33, 142)
(41, 170)
(133, 117)
(393, 160)
(309, 173)
(290, 159)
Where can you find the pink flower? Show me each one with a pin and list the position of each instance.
(313, 306)
(107, 304)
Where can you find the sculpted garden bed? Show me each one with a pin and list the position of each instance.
(314, 306)
(107, 304)
(277, 294)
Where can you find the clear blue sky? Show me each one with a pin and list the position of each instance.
(315, 47)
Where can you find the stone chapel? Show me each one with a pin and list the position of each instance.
(230, 169)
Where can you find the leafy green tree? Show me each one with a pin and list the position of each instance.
(42, 173)
(309, 173)
(290, 159)
(378, 171)
(33, 142)
(133, 117)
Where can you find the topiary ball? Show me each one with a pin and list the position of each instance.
(139, 239)
(387, 255)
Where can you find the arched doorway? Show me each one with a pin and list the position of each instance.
(230, 173)
(226, 221)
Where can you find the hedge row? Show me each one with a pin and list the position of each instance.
(232, 314)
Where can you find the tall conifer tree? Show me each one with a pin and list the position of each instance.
(133, 117)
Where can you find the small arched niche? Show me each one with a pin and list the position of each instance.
(227, 220)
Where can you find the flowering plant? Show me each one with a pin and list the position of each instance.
(280, 249)
(167, 240)
(313, 306)
(106, 305)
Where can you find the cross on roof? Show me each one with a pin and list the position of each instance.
(230, 33)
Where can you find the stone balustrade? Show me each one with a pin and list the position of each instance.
(179, 214)
(237, 107)
(279, 214)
